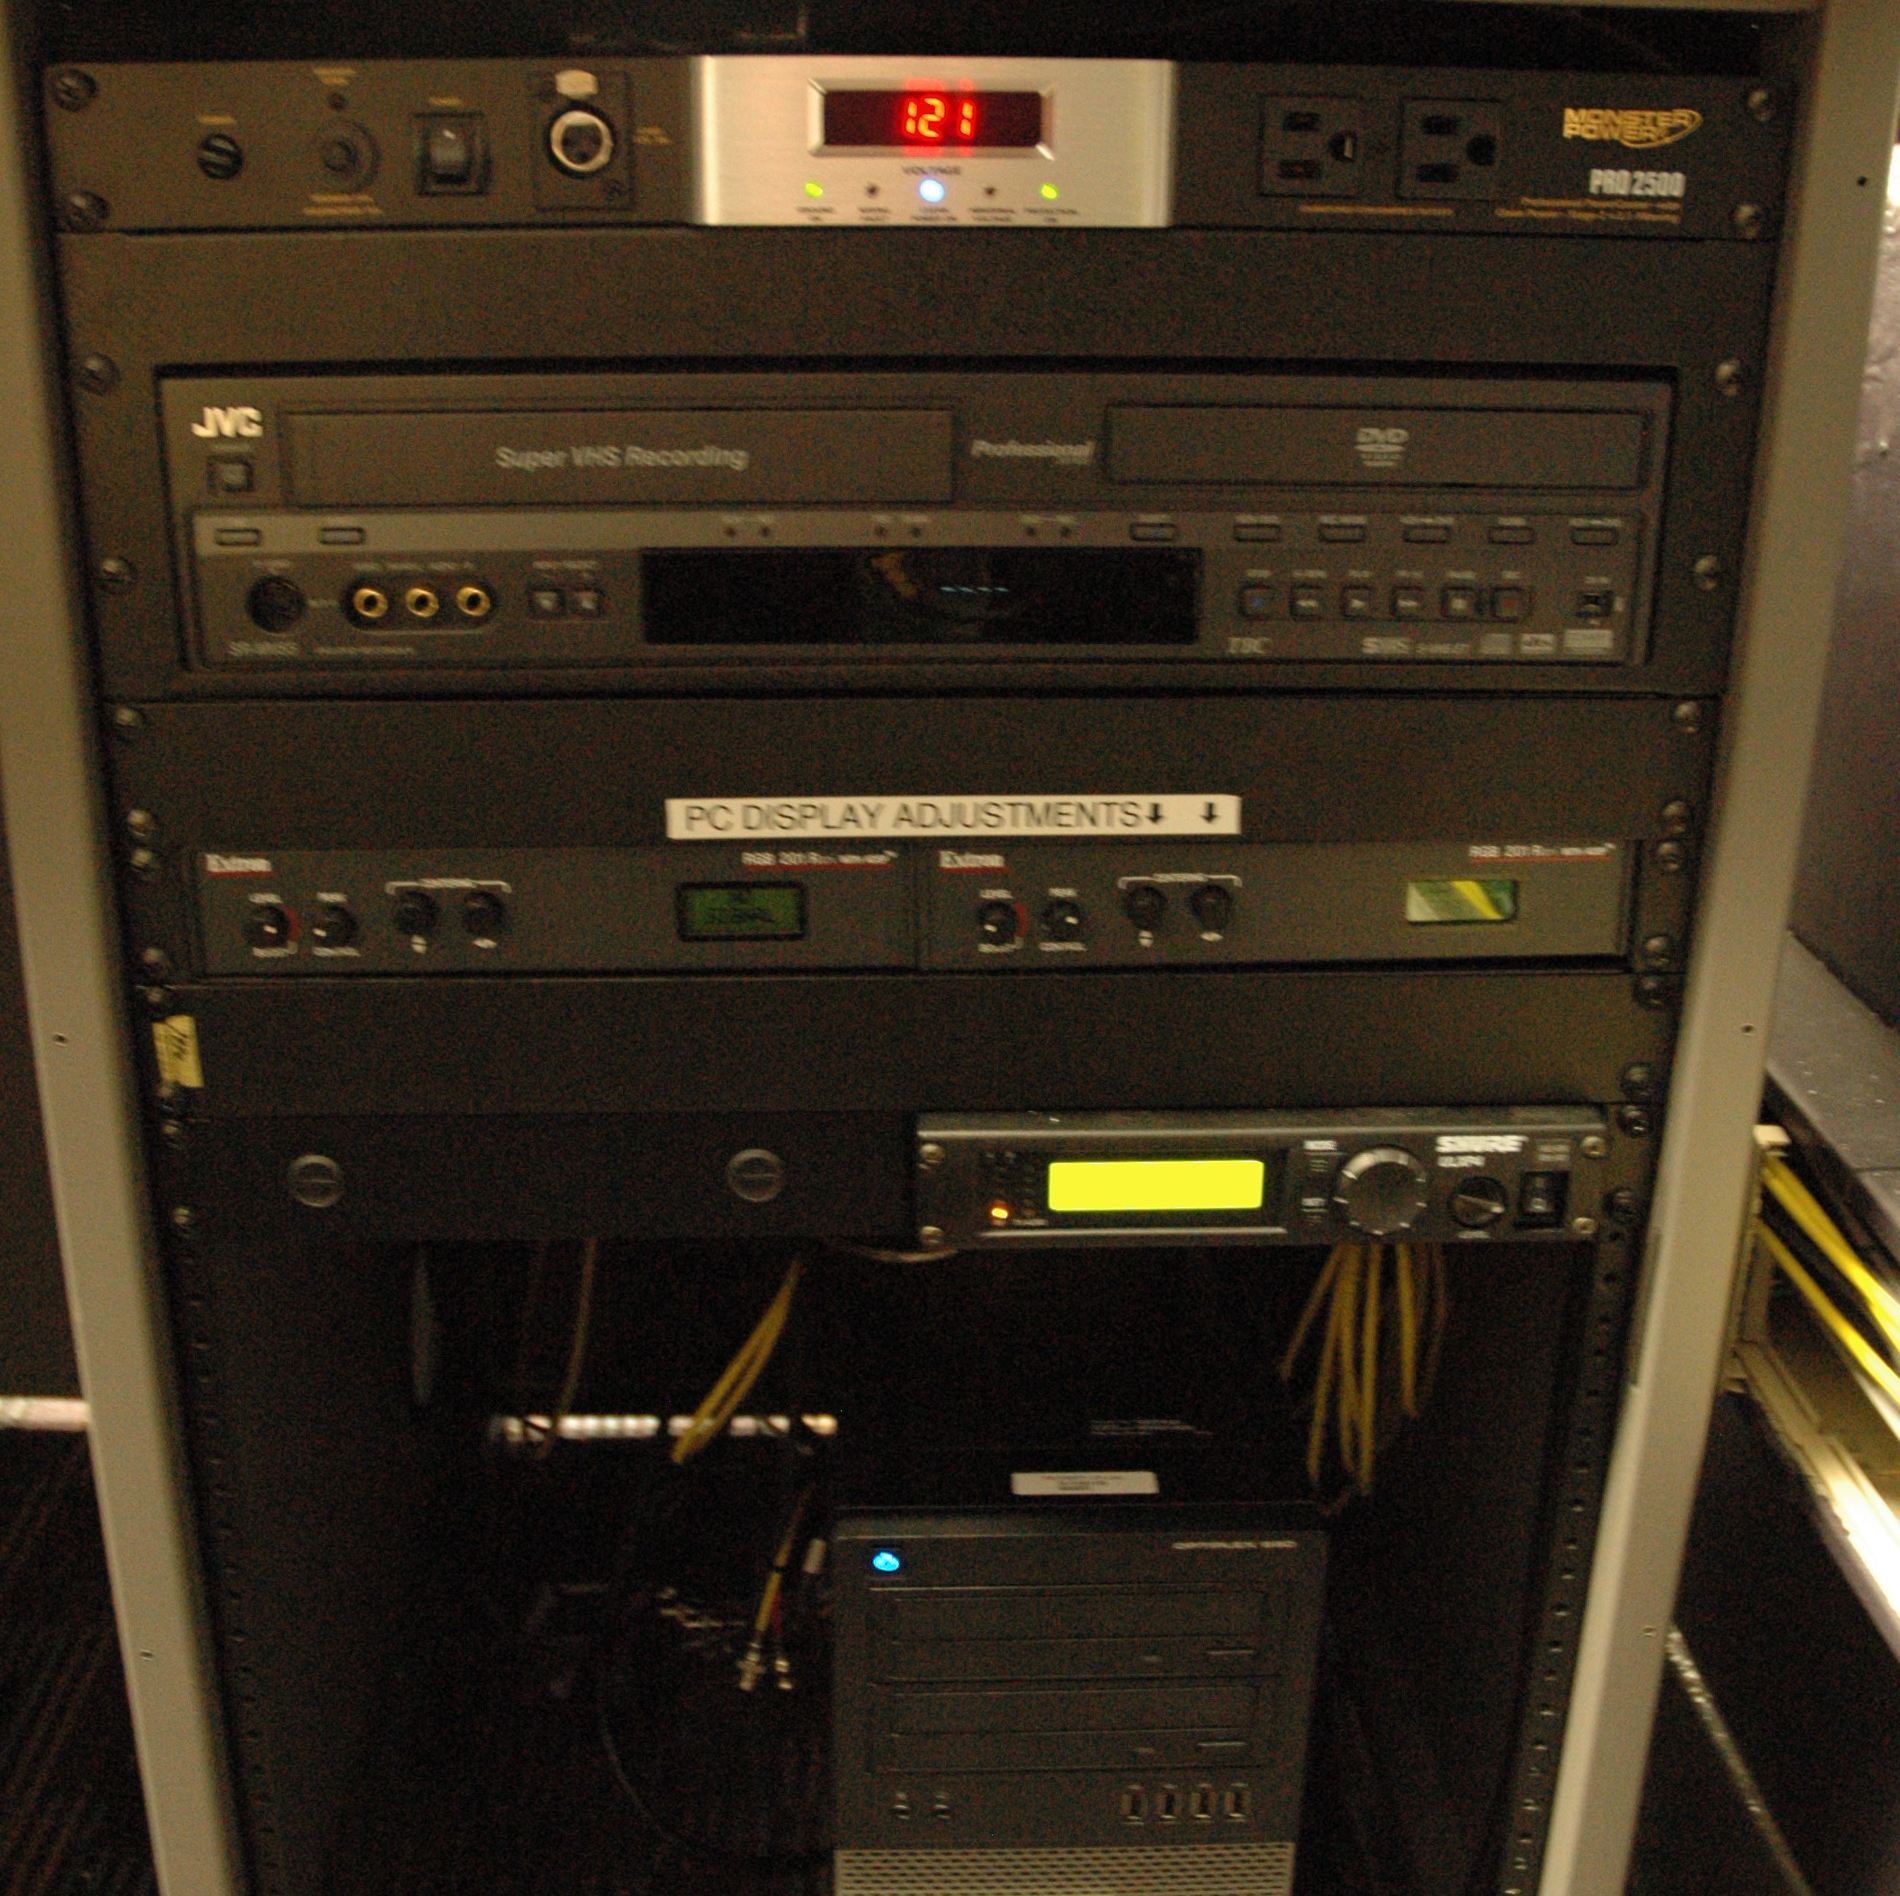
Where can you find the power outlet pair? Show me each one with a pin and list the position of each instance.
(1316, 148)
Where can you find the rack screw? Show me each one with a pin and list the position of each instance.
(1708, 572)
(1639, 1081)
(1730, 377)
(73, 90)
(929, 1156)
(1634, 1120)
(1583, 1227)
(85, 210)
(127, 721)
(930, 1236)
(1671, 858)
(117, 575)
(98, 374)
(1658, 950)
(1760, 103)
(1593, 1145)
(1621, 1205)
(1749, 221)
(184, 1220)
(1687, 716)
(1676, 818)
(156, 959)
(141, 824)
(143, 863)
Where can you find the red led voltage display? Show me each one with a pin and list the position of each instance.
(964, 121)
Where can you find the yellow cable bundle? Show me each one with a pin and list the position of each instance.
(1353, 1344)
(1801, 1205)
(723, 1399)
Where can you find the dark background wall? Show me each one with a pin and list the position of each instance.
(36, 1349)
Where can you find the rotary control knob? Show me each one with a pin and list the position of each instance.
(415, 913)
(268, 926)
(1380, 1191)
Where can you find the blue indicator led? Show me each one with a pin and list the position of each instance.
(886, 1561)
(931, 190)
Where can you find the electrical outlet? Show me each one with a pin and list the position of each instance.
(1312, 147)
(1450, 148)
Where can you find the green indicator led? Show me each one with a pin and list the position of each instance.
(813, 189)
(1157, 1184)
(1049, 191)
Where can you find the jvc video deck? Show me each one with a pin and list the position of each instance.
(692, 520)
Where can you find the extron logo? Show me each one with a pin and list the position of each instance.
(229, 424)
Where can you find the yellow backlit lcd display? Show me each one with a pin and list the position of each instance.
(1157, 1184)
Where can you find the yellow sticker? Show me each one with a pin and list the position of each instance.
(176, 1039)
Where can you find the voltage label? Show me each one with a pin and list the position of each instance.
(721, 819)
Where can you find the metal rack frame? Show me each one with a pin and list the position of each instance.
(55, 816)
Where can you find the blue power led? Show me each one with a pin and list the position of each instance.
(886, 1561)
(931, 190)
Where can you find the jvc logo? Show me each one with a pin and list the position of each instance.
(229, 423)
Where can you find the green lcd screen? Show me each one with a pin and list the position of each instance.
(741, 911)
(1157, 1184)
(1481, 899)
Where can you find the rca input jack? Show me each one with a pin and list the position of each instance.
(367, 604)
(422, 602)
(474, 601)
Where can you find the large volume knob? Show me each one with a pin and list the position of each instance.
(1380, 1191)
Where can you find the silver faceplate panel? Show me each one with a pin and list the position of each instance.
(1107, 155)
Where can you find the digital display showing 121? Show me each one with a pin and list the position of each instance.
(961, 121)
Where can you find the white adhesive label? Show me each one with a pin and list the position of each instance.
(722, 819)
(1086, 1481)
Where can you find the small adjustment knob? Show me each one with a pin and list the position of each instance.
(274, 604)
(998, 924)
(1213, 906)
(1478, 1202)
(268, 926)
(485, 916)
(333, 926)
(1063, 920)
(1380, 1191)
(415, 913)
(1144, 904)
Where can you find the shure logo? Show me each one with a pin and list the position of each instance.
(237, 865)
(229, 424)
(1064, 453)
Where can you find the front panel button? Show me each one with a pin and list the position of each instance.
(1213, 906)
(1357, 602)
(1510, 604)
(1459, 602)
(1260, 602)
(1408, 602)
(1309, 602)
(268, 926)
(415, 913)
(1063, 920)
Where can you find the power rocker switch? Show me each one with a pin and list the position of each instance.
(451, 155)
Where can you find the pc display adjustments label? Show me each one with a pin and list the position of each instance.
(714, 819)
